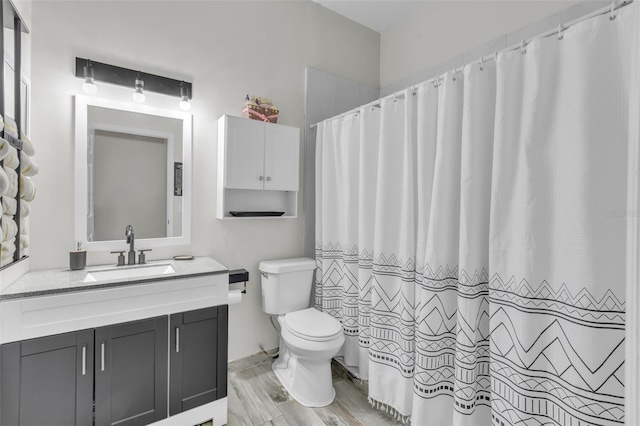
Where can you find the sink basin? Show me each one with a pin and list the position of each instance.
(128, 273)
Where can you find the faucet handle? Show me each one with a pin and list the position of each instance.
(141, 257)
(120, 257)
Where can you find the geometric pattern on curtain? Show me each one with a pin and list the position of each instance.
(557, 257)
(464, 236)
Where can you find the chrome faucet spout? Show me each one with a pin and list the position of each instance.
(130, 240)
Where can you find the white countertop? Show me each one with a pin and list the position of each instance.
(54, 281)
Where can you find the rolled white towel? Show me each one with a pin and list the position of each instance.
(11, 160)
(27, 146)
(27, 189)
(24, 226)
(9, 227)
(1, 122)
(4, 148)
(24, 208)
(24, 241)
(28, 167)
(5, 184)
(13, 181)
(11, 127)
(9, 206)
(7, 248)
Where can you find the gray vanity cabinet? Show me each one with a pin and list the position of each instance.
(47, 381)
(131, 373)
(198, 357)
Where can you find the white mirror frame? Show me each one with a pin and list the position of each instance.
(82, 103)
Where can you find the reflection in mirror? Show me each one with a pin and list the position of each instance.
(126, 161)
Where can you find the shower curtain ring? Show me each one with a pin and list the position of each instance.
(613, 9)
(523, 49)
(482, 64)
(495, 56)
(560, 29)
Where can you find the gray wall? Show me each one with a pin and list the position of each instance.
(327, 95)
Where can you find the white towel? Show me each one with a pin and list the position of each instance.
(11, 160)
(9, 227)
(1, 122)
(4, 148)
(24, 208)
(13, 182)
(9, 205)
(28, 167)
(5, 184)
(10, 127)
(24, 241)
(27, 189)
(7, 248)
(27, 146)
(24, 226)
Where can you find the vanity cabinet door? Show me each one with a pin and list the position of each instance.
(131, 373)
(198, 360)
(47, 381)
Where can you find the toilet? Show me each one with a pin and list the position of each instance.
(308, 338)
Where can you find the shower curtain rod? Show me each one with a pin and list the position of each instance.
(611, 10)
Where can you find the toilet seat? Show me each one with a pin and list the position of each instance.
(312, 325)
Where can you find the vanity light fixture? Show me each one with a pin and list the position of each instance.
(138, 95)
(92, 71)
(89, 86)
(185, 104)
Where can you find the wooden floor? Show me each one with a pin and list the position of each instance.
(256, 397)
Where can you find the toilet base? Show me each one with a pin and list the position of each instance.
(309, 383)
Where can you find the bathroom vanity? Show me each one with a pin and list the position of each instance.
(136, 345)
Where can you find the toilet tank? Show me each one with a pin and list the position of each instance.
(286, 284)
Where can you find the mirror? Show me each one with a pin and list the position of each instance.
(132, 167)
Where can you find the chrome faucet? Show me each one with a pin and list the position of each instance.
(132, 251)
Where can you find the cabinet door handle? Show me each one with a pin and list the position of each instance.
(177, 339)
(268, 178)
(102, 356)
(84, 360)
(261, 178)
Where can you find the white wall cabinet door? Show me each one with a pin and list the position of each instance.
(281, 157)
(244, 168)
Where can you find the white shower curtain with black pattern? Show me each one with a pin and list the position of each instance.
(471, 235)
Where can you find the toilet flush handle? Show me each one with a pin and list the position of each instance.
(264, 274)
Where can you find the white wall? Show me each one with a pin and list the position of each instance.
(227, 49)
(440, 30)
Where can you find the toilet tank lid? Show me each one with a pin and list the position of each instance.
(287, 265)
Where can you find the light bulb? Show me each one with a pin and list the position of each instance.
(185, 105)
(89, 87)
(138, 95)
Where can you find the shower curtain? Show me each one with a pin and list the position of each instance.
(470, 235)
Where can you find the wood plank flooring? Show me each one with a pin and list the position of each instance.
(256, 397)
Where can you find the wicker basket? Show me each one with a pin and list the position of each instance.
(266, 113)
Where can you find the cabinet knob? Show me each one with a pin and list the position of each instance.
(268, 178)
(261, 178)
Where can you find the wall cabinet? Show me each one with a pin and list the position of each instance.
(258, 166)
(51, 380)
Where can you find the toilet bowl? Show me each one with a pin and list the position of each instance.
(308, 338)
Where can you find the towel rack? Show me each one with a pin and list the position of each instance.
(10, 19)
